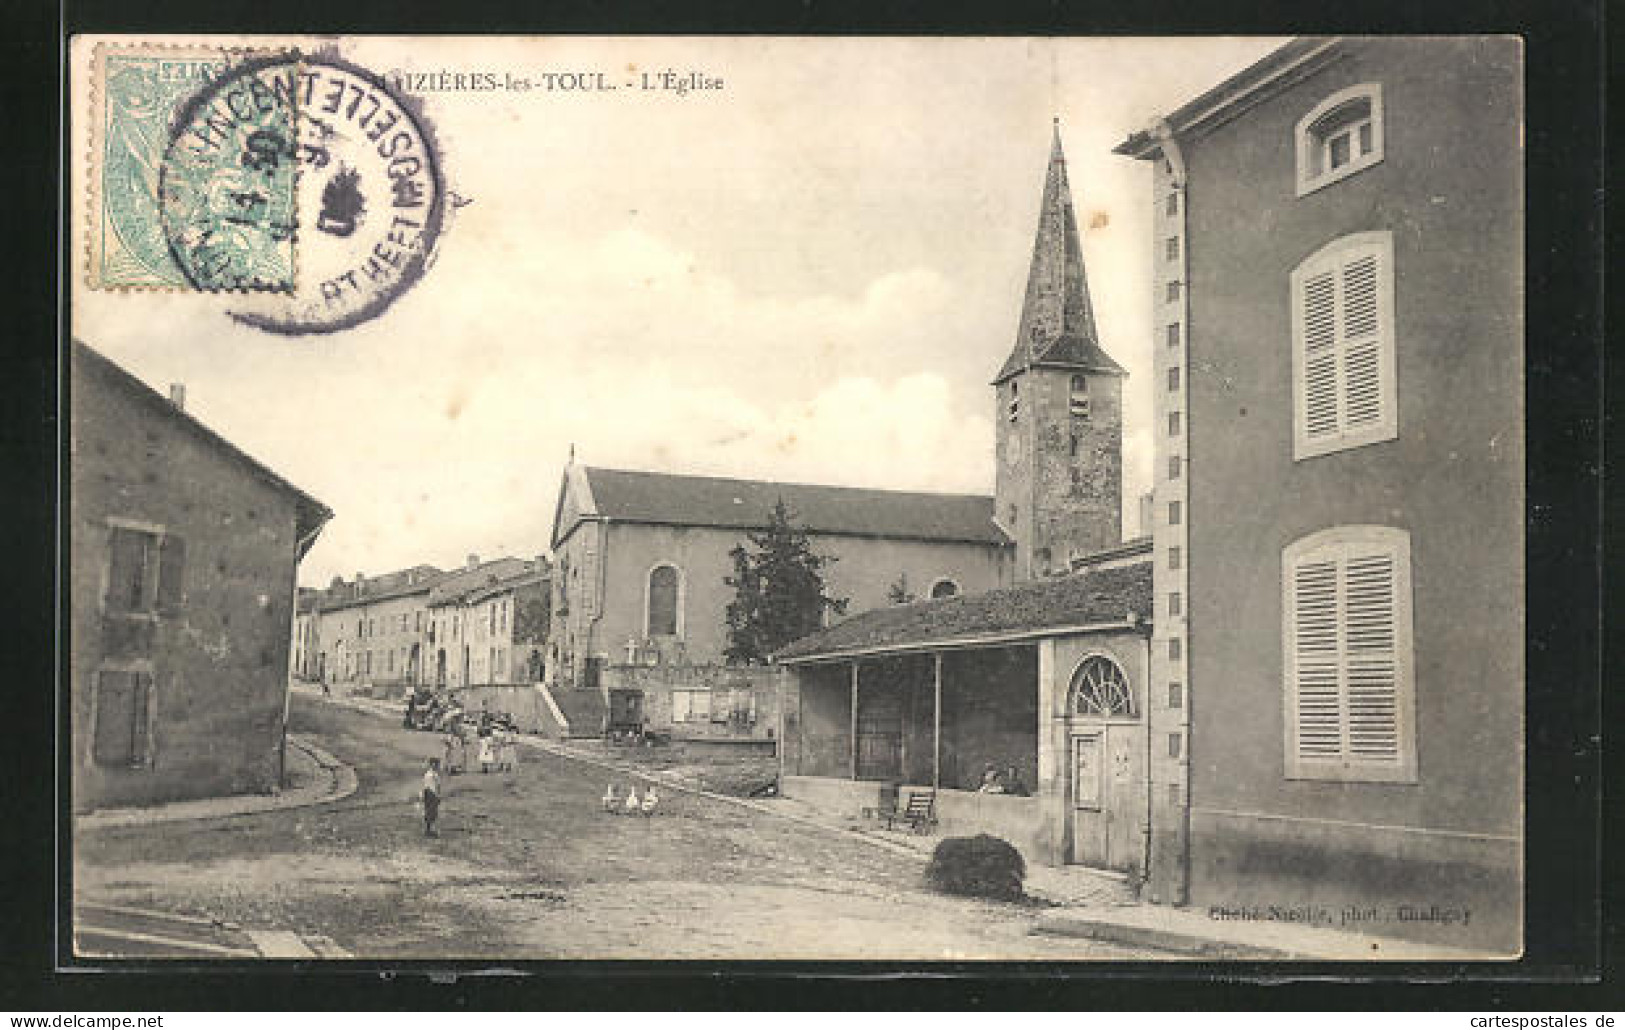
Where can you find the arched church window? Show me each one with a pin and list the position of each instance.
(944, 588)
(663, 601)
(1100, 688)
(1078, 401)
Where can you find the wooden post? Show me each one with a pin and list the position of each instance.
(936, 721)
(854, 735)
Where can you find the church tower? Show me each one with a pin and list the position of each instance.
(1059, 410)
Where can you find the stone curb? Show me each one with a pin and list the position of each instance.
(341, 782)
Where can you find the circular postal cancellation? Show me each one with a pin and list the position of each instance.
(303, 184)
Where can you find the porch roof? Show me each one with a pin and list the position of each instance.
(1094, 599)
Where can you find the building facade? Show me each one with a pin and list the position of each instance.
(1338, 301)
(371, 630)
(642, 558)
(488, 624)
(184, 552)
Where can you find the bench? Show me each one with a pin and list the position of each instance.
(918, 809)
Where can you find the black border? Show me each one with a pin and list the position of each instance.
(1567, 634)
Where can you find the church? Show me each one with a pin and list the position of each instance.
(1039, 683)
(642, 558)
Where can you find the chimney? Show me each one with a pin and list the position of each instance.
(177, 395)
(473, 560)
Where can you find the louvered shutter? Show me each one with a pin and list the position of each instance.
(1362, 338)
(1320, 365)
(1317, 653)
(1344, 345)
(1348, 641)
(1370, 662)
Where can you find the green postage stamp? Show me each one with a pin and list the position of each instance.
(161, 217)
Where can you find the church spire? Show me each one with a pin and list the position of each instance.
(1057, 319)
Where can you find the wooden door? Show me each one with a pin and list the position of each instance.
(1108, 795)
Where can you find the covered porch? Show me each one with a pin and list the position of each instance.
(941, 695)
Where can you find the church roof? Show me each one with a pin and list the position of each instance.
(664, 499)
(1101, 598)
(1057, 319)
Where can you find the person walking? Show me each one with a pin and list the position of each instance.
(508, 750)
(431, 798)
(488, 751)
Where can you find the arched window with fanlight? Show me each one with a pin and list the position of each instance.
(1101, 690)
(664, 602)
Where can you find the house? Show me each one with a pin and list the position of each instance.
(305, 661)
(489, 623)
(1040, 685)
(371, 630)
(640, 583)
(1338, 646)
(182, 562)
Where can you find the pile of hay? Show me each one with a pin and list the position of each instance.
(982, 866)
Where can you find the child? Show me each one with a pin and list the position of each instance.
(488, 752)
(431, 798)
(508, 751)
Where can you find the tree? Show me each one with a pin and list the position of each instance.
(898, 592)
(779, 590)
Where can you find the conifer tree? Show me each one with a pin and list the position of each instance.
(779, 590)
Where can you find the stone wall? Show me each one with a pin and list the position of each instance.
(744, 700)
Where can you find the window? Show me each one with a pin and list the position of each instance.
(1171, 204)
(1072, 446)
(1173, 467)
(1173, 335)
(944, 588)
(1176, 695)
(1343, 346)
(1173, 423)
(1175, 603)
(123, 715)
(662, 605)
(1175, 745)
(1078, 397)
(1342, 135)
(1348, 655)
(1170, 248)
(1174, 558)
(1173, 379)
(1172, 290)
(1176, 649)
(691, 706)
(1100, 688)
(1077, 477)
(1015, 400)
(145, 571)
(1174, 513)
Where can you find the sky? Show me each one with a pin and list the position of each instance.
(809, 274)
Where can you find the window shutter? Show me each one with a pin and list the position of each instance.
(127, 571)
(1371, 668)
(1348, 655)
(171, 573)
(1344, 345)
(1320, 356)
(121, 718)
(1316, 653)
(1362, 339)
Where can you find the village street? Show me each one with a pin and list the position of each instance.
(527, 865)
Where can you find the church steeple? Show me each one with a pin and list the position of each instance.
(1057, 319)
(1058, 405)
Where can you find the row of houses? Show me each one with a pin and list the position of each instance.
(484, 624)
